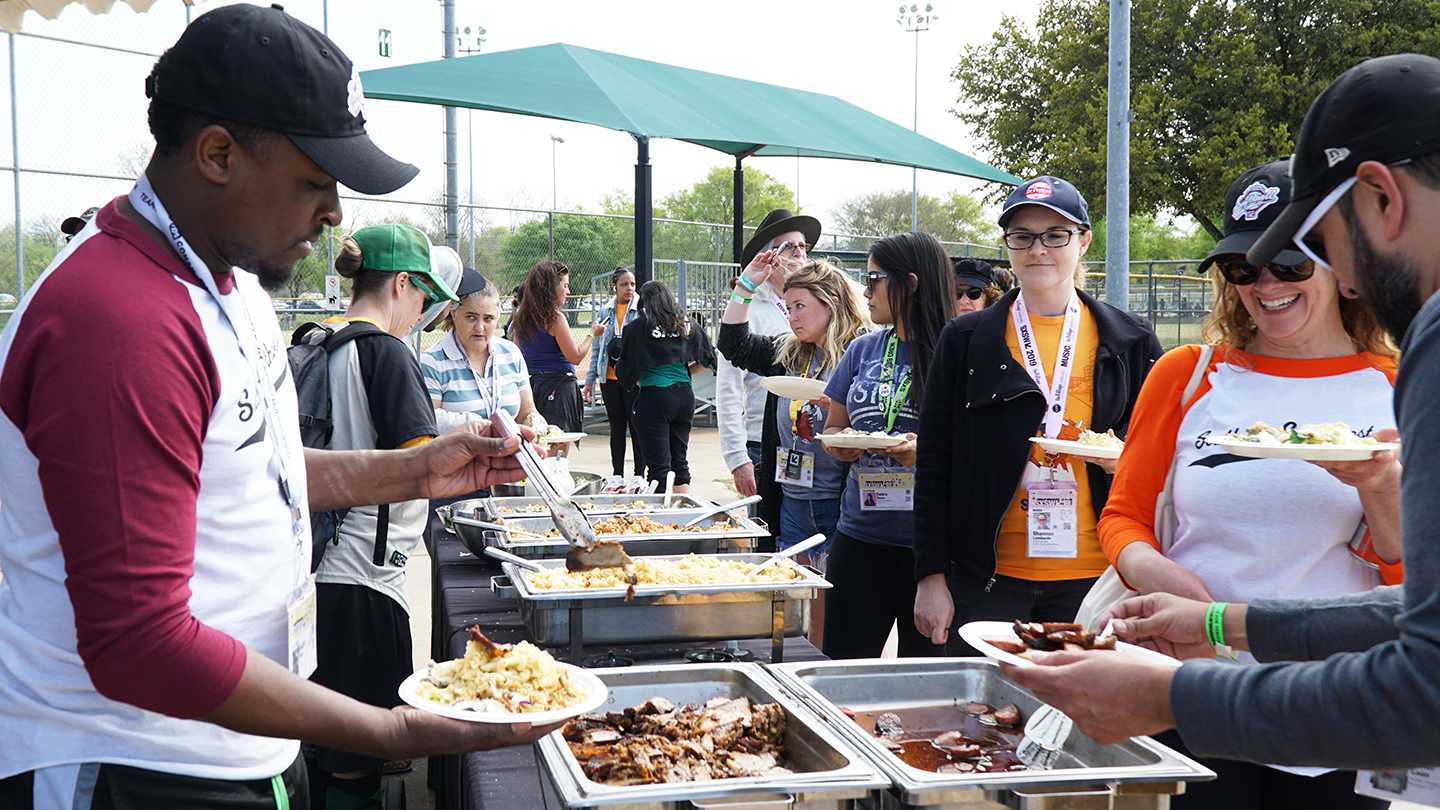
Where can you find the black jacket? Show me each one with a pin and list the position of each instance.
(757, 353)
(979, 412)
(639, 348)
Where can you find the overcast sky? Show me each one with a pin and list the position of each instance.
(82, 109)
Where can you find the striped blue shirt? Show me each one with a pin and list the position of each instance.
(455, 385)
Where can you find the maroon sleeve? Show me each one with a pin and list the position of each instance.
(111, 381)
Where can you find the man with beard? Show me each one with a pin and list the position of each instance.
(156, 613)
(1366, 203)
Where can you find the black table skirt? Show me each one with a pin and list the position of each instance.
(511, 777)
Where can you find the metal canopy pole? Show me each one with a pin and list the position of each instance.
(452, 177)
(738, 209)
(15, 158)
(644, 225)
(1117, 161)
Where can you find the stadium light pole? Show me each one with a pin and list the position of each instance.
(914, 19)
(466, 48)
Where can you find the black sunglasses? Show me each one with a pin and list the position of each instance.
(871, 279)
(972, 293)
(1241, 273)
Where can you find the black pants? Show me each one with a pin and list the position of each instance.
(874, 587)
(121, 787)
(1247, 786)
(557, 398)
(661, 420)
(1010, 598)
(618, 405)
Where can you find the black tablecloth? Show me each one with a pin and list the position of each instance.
(511, 777)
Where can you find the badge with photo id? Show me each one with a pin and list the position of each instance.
(1052, 527)
(888, 491)
(794, 467)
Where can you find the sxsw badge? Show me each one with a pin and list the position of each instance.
(1038, 191)
(355, 94)
(1255, 198)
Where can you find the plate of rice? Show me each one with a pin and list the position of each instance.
(504, 683)
(1089, 445)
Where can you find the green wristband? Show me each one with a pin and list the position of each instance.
(736, 296)
(1215, 629)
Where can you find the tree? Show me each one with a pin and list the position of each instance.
(1217, 86)
(713, 198)
(1153, 239)
(589, 245)
(956, 218)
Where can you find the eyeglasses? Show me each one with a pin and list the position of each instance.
(1055, 238)
(1241, 273)
(431, 297)
(794, 250)
(973, 293)
(873, 279)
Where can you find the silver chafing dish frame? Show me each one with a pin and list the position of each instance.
(807, 737)
(731, 541)
(661, 613)
(606, 505)
(900, 682)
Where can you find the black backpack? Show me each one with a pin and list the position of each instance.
(309, 356)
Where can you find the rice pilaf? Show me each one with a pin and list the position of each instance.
(691, 570)
(501, 678)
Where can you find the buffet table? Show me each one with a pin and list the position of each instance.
(462, 598)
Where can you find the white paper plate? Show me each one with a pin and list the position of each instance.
(862, 441)
(976, 633)
(1304, 452)
(593, 687)
(1076, 448)
(560, 438)
(794, 387)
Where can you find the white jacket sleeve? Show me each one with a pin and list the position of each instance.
(730, 410)
(445, 420)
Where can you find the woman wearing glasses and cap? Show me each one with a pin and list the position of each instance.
(1047, 360)
(1286, 349)
(378, 402)
(975, 286)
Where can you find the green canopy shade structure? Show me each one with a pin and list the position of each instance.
(654, 100)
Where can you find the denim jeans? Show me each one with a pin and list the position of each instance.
(801, 519)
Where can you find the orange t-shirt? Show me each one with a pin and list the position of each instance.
(619, 319)
(1010, 546)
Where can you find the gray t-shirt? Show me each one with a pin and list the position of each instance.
(1374, 699)
(856, 386)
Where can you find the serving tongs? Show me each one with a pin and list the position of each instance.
(584, 552)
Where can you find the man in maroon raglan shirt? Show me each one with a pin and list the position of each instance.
(153, 489)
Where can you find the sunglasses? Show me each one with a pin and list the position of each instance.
(973, 293)
(1241, 273)
(874, 279)
(431, 297)
(793, 250)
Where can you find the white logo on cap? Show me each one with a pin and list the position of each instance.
(1039, 191)
(1333, 156)
(355, 98)
(1255, 198)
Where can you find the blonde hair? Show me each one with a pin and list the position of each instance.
(849, 317)
(1230, 326)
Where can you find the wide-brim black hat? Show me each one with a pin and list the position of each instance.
(1254, 201)
(781, 220)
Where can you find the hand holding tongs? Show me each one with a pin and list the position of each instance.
(567, 516)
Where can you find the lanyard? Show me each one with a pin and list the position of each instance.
(252, 346)
(797, 404)
(485, 383)
(1064, 359)
(891, 394)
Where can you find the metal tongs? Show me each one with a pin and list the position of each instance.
(567, 516)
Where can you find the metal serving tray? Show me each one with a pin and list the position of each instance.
(661, 613)
(732, 541)
(491, 508)
(1140, 773)
(829, 774)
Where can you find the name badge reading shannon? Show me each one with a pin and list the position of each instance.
(1052, 527)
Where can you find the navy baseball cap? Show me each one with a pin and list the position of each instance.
(260, 66)
(1251, 204)
(1385, 109)
(1051, 192)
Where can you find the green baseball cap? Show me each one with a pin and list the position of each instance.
(395, 248)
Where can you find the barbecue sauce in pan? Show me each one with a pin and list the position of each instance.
(919, 725)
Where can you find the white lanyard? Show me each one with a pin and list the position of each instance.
(780, 305)
(237, 310)
(1064, 359)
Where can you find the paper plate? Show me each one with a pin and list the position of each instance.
(1076, 448)
(862, 441)
(560, 438)
(976, 633)
(1303, 452)
(794, 387)
(593, 687)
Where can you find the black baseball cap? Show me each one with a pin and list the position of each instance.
(1385, 109)
(974, 273)
(1050, 192)
(1252, 203)
(260, 66)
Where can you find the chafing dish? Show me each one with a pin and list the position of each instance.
(829, 774)
(1139, 773)
(704, 541)
(662, 613)
(593, 505)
